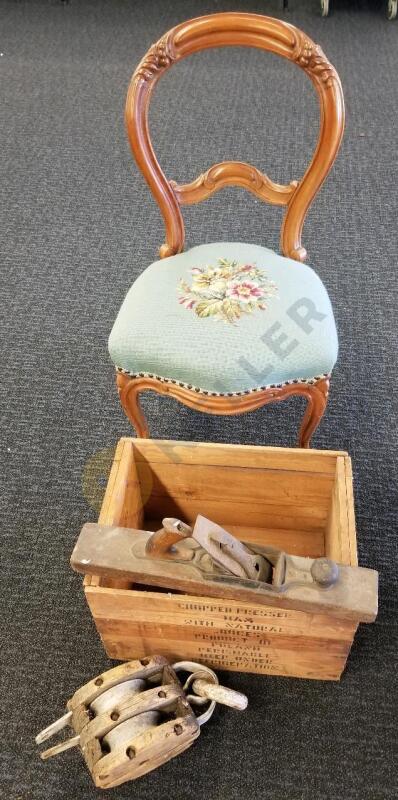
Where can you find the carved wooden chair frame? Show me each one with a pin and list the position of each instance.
(264, 33)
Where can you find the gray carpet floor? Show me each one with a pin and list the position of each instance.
(77, 226)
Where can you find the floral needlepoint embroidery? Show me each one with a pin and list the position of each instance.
(226, 291)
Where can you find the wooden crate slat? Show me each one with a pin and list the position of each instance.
(350, 507)
(293, 541)
(242, 659)
(254, 516)
(201, 612)
(252, 456)
(340, 537)
(273, 487)
(121, 629)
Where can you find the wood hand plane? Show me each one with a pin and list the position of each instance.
(207, 560)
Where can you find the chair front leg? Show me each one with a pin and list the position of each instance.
(317, 398)
(129, 389)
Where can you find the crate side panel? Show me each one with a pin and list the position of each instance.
(225, 634)
(122, 504)
(241, 497)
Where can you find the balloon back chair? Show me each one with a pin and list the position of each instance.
(228, 327)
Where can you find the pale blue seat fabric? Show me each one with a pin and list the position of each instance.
(227, 318)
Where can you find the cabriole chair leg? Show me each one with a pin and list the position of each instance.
(129, 390)
(317, 399)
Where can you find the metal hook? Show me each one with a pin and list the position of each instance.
(207, 688)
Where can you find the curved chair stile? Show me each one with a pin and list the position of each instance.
(273, 35)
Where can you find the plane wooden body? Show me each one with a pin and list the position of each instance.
(187, 567)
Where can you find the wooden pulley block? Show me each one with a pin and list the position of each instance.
(135, 717)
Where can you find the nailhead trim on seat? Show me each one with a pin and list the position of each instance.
(222, 394)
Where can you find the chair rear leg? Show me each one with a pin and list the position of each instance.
(129, 389)
(317, 398)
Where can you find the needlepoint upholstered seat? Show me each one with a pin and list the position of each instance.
(226, 318)
(227, 327)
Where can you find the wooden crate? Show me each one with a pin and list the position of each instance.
(298, 500)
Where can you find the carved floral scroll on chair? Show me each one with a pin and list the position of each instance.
(264, 33)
